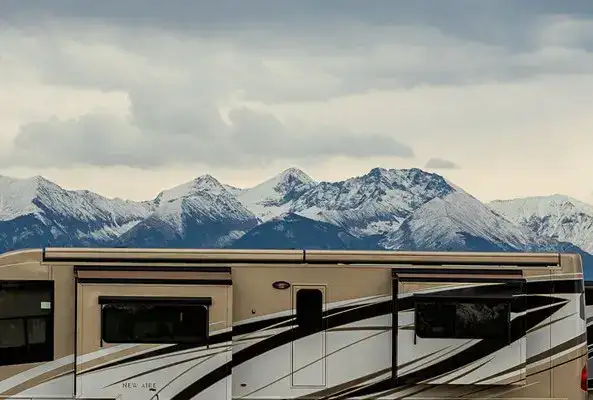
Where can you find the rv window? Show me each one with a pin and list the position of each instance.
(481, 319)
(26, 322)
(589, 296)
(309, 309)
(137, 322)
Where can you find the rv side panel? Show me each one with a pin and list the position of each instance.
(135, 341)
(37, 324)
(356, 330)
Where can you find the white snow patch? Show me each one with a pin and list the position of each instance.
(18, 198)
(442, 219)
(266, 199)
(111, 232)
(371, 204)
(205, 183)
(557, 216)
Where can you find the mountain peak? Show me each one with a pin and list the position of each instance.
(30, 181)
(557, 216)
(24, 190)
(293, 175)
(541, 205)
(412, 179)
(454, 222)
(378, 172)
(207, 180)
(275, 195)
(202, 184)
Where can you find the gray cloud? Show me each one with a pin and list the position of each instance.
(179, 61)
(454, 16)
(510, 24)
(273, 66)
(147, 140)
(439, 163)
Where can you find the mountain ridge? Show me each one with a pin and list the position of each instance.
(557, 216)
(408, 209)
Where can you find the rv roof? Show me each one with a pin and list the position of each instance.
(229, 256)
(251, 256)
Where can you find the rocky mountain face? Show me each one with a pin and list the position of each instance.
(555, 216)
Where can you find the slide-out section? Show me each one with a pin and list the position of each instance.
(460, 328)
(151, 334)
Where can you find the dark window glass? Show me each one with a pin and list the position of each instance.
(589, 296)
(435, 320)
(36, 330)
(309, 309)
(155, 323)
(26, 322)
(12, 333)
(463, 320)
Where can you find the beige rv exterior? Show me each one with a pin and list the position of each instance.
(264, 324)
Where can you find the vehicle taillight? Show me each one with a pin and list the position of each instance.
(584, 379)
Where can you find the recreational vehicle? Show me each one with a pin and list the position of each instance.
(140, 324)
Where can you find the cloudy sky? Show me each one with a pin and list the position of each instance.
(129, 97)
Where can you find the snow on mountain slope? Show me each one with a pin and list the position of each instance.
(16, 197)
(197, 187)
(458, 221)
(557, 216)
(204, 198)
(198, 213)
(77, 213)
(30, 196)
(235, 191)
(372, 204)
(275, 196)
(395, 208)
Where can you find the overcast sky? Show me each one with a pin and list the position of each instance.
(126, 98)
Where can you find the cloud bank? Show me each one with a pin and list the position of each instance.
(194, 81)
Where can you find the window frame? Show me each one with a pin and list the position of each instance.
(205, 302)
(435, 298)
(34, 356)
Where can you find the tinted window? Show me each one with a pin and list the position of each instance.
(589, 296)
(463, 320)
(430, 321)
(154, 323)
(26, 322)
(309, 309)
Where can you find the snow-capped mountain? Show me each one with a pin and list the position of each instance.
(200, 213)
(38, 212)
(557, 216)
(384, 208)
(458, 221)
(372, 204)
(277, 195)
